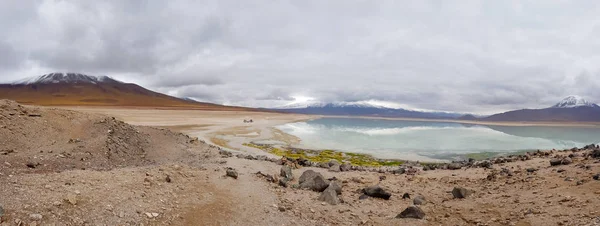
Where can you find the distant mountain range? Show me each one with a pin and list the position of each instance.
(572, 108)
(75, 89)
(363, 109)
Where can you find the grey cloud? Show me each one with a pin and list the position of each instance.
(467, 56)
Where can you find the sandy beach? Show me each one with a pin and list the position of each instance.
(223, 128)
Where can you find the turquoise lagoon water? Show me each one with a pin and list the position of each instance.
(416, 140)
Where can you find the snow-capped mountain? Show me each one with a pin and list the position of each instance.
(315, 104)
(574, 101)
(59, 77)
(76, 89)
(570, 109)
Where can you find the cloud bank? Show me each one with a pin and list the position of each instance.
(466, 56)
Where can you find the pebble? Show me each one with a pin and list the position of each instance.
(151, 215)
(72, 199)
(1, 211)
(35, 217)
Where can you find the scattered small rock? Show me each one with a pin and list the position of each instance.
(419, 200)
(283, 182)
(406, 196)
(400, 171)
(454, 166)
(31, 165)
(231, 172)
(168, 179)
(1, 211)
(335, 186)
(460, 192)
(335, 168)
(596, 177)
(566, 161)
(345, 167)
(330, 196)
(412, 212)
(333, 162)
(377, 192)
(72, 199)
(555, 162)
(531, 170)
(286, 172)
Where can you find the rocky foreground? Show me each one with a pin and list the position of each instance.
(62, 167)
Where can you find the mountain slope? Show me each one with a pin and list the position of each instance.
(572, 108)
(71, 89)
(353, 109)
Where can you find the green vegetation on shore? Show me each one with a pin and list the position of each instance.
(325, 155)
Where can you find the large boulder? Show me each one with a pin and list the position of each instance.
(377, 192)
(412, 212)
(329, 196)
(313, 181)
(460, 192)
(286, 172)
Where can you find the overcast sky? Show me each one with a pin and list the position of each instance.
(466, 56)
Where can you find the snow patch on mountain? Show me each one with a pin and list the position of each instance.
(574, 101)
(59, 77)
(317, 104)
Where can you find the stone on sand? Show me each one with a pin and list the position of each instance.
(419, 200)
(377, 192)
(460, 192)
(329, 196)
(313, 181)
(231, 172)
(345, 167)
(336, 187)
(412, 212)
(286, 172)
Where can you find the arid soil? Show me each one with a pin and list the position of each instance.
(63, 167)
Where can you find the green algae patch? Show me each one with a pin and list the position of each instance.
(325, 155)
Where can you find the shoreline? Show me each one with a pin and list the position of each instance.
(484, 123)
(227, 130)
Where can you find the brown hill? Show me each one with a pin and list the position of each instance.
(70, 89)
(577, 114)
